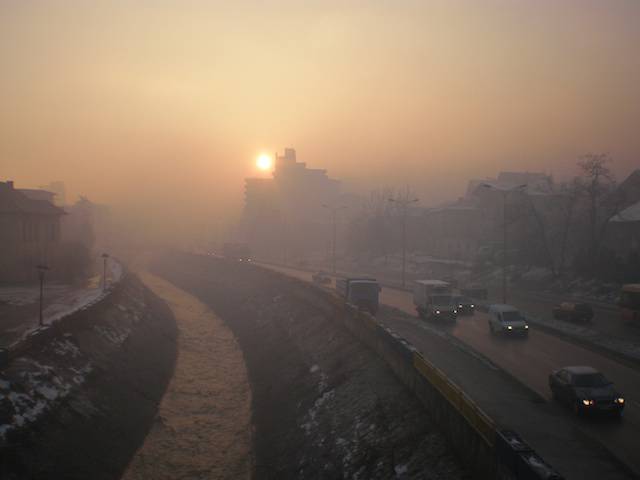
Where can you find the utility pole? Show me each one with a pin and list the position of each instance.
(404, 205)
(41, 271)
(504, 192)
(334, 215)
(105, 256)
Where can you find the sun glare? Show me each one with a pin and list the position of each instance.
(263, 162)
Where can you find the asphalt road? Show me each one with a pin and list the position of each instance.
(606, 318)
(531, 360)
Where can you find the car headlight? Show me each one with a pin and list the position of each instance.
(619, 400)
(509, 327)
(437, 312)
(459, 306)
(526, 326)
(587, 403)
(472, 305)
(455, 311)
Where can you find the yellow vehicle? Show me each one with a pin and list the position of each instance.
(630, 302)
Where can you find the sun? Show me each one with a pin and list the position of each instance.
(263, 162)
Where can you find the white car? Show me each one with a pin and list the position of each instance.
(507, 320)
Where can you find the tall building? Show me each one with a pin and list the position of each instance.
(284, 215)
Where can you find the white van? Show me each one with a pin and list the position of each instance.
(507, 320)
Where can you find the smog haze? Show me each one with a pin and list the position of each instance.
(164, 105)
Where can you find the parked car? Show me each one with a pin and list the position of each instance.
(507, 320)
(465, 305)
(586, 390)
(575, 312)
(321, 278)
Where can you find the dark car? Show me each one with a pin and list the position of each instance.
(586, 390)
(465, 305)
(575, 312)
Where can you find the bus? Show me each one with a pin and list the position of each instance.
(630, 302)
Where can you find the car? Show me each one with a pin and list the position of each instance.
(321, 278)
(465, 305)
(575, 312)
(586, 390)
(507, 320)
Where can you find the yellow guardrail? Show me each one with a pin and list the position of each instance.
(479, 420)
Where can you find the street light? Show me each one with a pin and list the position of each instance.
(105, 256)
(41, 271)
(334, 212)
(404, 203)
(504, 192)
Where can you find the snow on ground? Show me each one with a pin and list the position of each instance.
(114, 335)
(28, 295)
(72, 302)
(38, 387)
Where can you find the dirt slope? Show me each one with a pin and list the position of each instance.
(324, 406)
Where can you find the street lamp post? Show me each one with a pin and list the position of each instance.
(41, 271)
(105, 256)
(504, 192)
(334, 213)
(404, 203)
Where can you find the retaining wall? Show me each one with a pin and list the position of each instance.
(488, 451)
(45, 333)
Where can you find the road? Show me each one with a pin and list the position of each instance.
(531, 360)
(606, 320)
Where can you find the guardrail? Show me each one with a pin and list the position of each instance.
(489, 451)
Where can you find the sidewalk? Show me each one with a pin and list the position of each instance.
(19, 306)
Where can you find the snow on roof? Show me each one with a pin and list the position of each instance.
(629, 214)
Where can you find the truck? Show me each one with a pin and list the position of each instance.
(361, 292)
(434, 300)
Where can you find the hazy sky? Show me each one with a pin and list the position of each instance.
(168, 102)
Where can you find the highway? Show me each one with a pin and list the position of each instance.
(606, 318)
(531, 360)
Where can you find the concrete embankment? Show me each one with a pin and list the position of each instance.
(77, 402)
(323, 404)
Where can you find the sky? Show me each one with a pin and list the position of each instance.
(165, 104)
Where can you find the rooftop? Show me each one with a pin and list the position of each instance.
(629, 214)
(14, 201)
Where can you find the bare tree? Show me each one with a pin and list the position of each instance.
(597, 181)
(371, 229)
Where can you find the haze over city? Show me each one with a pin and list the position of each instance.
(308, 239)
(129, 101)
